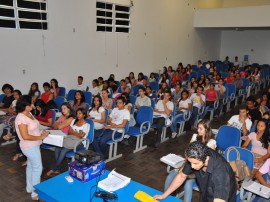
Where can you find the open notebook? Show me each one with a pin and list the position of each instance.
(173, 160)
(257, 188)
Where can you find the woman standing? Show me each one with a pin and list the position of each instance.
(27, 128)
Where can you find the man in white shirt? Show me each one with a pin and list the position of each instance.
(241, 121)
(80, 85)
(163, 110)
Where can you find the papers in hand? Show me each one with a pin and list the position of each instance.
(257, 188)
(113, 182)
(55, 138)
(41, 127)
(2, 113)
(173, 160)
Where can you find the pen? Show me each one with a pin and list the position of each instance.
(260, 188)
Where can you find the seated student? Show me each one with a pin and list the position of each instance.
(106, 86)
(79, 128)
(100, 83)
(44, 115)
(132, 78)
(193, 88)
(220, 88)
(128, 104)
(163, 109)
(241, 121)
(94, 90)
(117, 121)
(123, 87)
(198, 100)
(265, 169)
(201, 80)
(98, 114)
(184, 104)
(204, 135)
(141, 80)
(149, 93)
(238, 82)
(128, 82)
(47, 95)
(170, 72)
(214, 174)
(253, 111)
(34, 92)
(64, 121)
(80, 85)
(164, 78)
(175, 78)
(79, 101)
(152, 77)
(142, 99)
(256, 74)
(115, 94)
(8, 99)
(230, 78)
(260, 144)
(177, 93)
(211, 95)
(54, 87)
(206, 85)
(107, 102)
(163, 87)
(12, 111)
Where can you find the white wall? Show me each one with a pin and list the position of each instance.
(252, 16)
(162, 33)
(256, 44)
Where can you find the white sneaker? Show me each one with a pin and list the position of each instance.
(174, 135)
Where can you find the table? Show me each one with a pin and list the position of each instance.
(58, 189)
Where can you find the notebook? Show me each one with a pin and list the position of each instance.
(173, 160)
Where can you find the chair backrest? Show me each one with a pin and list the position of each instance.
(245, 155)
(200, 72)
(153, 103)
(144, 113)
(54, 115)
(132, 99)
(230, 89)
(71, 94)
(228, 136)
(106, 116)
(156, 76)
(62, 91)
(136, 89)
(59, 101)
(193, 74)
(1, 97)
(90, 135)
(246, 82)
(224, 74)
(88, 97)
(154, 85)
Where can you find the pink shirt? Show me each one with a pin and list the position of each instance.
(266, 169)
(33, 129)
(257, 147)
(210, 95)
(66, 129)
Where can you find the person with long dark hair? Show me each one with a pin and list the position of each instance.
(97, 114)
(64, 121)
(54, 87)
(79, 128)
(79, 101)
(44, 114)
(260, 144)
(34, 92)
(27, 128)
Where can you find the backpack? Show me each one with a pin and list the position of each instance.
(239, 167)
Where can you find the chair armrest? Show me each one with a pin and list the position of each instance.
(147, 123)
(80, 141)
(224, 100)
(122, 136)
(201, 110)
(12, 118)
(232, 96)
(216, 103)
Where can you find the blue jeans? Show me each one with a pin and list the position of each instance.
(194, 115)
(188, 186)
(174, 124)
(33, 169)
(261, 199)
(100, 141)
(60, 153)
